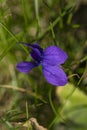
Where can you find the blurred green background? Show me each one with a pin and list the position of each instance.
(48, 22)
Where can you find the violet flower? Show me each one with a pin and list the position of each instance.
(50, 58)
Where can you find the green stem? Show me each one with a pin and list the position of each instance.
(4, 26)
(57, 114)
(51, 103)
(11, 45)
(54, 24)
(53, 34)
(37, 16)
(24, 12)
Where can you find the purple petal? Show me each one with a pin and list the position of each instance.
(54, 75)
(37, 46)
(36, 52)
(33, 46)
(36, 55)
(54, 55)
(25, 67)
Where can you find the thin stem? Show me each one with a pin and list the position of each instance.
(27, 114)
(23, 91)
(49, 28)
(7, 124)
(54, 120)
(37, 16)
(53, 34)
(24, 12)
(11, 45)
(83, 59)
(54, 110)
(4, 26)
(51, 103)
(37, 10)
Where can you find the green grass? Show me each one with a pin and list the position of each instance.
(24, 96)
